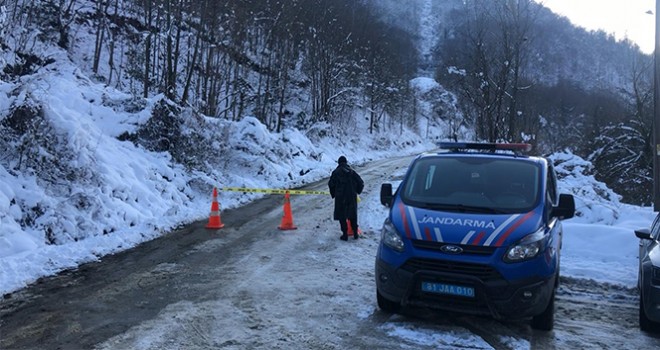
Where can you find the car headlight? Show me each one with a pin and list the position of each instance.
(527, 248)
(391, 238)
(656, 275)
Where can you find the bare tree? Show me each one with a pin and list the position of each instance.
(485, 61)
(102, 25)
(148, 20)
(623, 151)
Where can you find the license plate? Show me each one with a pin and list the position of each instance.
(451, 289)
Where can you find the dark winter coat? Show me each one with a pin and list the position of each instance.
(345, 184)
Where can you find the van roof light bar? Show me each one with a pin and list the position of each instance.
(516, 147)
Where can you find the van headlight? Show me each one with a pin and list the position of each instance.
(527, 248)
(390, 237)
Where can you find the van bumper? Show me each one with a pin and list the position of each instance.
(493, 295)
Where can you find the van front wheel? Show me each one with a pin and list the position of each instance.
(386, 305)
(545, 320)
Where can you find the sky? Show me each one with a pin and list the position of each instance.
(623, 18)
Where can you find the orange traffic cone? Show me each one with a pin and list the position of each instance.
(350, 229)
(214, 217)
(287, 219)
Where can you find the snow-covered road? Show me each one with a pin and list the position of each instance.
(252, 286)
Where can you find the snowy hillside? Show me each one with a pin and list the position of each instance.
(124, 195)
(120, 194)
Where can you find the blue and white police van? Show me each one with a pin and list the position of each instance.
(474, 228)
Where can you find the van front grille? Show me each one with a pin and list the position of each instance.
(483, 272)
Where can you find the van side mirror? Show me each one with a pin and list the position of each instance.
(386, 195)
(566, 207)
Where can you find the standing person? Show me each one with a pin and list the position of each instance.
(345, 185)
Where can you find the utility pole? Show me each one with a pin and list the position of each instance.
(656, 111)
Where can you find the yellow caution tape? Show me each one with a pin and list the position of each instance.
(268, 190)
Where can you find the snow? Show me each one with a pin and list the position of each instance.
(132, 195)
(599, 243)
(424, 84)
(135, 201)
(457, 339)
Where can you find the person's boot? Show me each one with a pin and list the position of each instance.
(344, 237)
(355, 234)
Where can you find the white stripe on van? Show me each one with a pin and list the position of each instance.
(467, 237)
(438, 235)
(499, 229)
(415, 224)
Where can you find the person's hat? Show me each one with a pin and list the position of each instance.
(341, 160)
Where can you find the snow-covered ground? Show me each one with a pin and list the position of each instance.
(139, 195)
(132, 195)
(307, 289)
(128, 195)
(134, 198)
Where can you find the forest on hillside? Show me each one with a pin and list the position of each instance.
(524, 74)
(520, 73)
(234, 58)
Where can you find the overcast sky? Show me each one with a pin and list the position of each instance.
(624, 18)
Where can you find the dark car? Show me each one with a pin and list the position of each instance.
(648, 280)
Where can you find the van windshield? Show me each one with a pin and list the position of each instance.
(473, 184)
